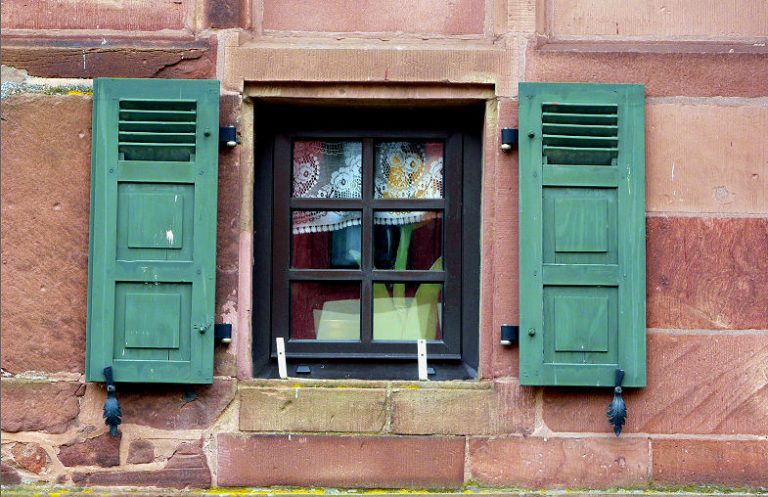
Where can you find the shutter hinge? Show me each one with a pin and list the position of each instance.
(222, 332)
(510, 334)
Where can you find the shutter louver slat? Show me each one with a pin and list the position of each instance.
(159, 126)
(150, 130)
(580, 134)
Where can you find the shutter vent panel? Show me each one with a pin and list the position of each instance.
(579, 134)
(157, 130)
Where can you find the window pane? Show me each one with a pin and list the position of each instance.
(323, 169)
(408, 240)
(409, 170)
(325, 239)
(325, 310)
(407, 311)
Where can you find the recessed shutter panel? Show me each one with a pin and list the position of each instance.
(152, 265)
(582, 234)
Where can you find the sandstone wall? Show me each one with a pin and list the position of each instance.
(703, 419)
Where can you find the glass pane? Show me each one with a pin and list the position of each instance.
(325, 239)
(324, 310)
(323, 169)
(407, 311)
(409, 169)
(408, 240)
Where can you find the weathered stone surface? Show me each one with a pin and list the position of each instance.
(459, 17)
(46, 142)
(12, 75)
(228, 234)
(507, 408)
(224, 361)
(502, 299)
(229, 194)
(716, 462)
(136, 15)
(8, 475)
(141, 452)
(715, 166)
(163, 406)
(103, 450)
(226, 294)
(560, 462)
(226, 13)
(639, 18)
(30, 457)
(709, 273)
(89, 58)
(38, 406)
(663, 73)
(375, 64)
(313, 409)
(187, 468)
(696, 384)
(341, 461)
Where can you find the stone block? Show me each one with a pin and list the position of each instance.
(39, 406)
(697, 384)
(312, 409)
(126, 58)
(521, 16)
(435, 17)
(715, 462)
(340, 461)
(8, 475)
(136, 15)
(46, 143)
(230, 188)
(504, 296)
(30, 457)
(707, 273)
(505, 408)
(380, 64)
(222, 14)
(715, 166)
(560, 462)
(671, 70)
(103, 450)
(141, 452)
(703, 19)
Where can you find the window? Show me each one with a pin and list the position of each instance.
(366, 239)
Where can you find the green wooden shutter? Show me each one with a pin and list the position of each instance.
(152, 265)
(582, 234)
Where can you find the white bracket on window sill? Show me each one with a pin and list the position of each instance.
(281, 366)
(422, 356)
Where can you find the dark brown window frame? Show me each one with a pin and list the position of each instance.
(276, 127)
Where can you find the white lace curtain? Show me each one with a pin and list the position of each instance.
(403, 170)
